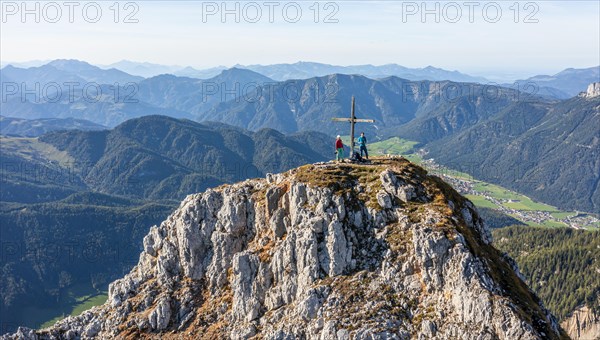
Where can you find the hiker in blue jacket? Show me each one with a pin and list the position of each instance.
(362, 142)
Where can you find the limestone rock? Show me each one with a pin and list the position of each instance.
(583, 324)
(380, 251)
(592, 91)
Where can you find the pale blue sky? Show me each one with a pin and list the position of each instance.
(567, 34)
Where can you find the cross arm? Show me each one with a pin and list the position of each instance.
(356, 120)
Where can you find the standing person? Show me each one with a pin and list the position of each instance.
(362, 142)
(339, 149)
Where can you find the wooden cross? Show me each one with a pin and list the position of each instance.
(353, 120)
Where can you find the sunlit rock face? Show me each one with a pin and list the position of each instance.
(324, 251)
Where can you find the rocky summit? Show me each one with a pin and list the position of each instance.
(593, 91)
(324, 251)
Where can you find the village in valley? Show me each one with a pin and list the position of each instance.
(512, 203)
(487, 195)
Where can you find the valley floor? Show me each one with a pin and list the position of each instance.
(73, 301)
(487, 195)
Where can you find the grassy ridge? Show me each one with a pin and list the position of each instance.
(393, 146)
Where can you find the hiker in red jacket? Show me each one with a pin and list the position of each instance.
(339, 149)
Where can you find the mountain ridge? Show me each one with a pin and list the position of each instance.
(305, 70)
(564, 84)
(36, 127)
(164, 157)
(320, 251)
(552, 141)
(299, 70)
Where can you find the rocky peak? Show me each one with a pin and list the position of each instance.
(323, 251)
(593, 91)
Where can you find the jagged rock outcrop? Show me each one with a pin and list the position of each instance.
(583, 324)
(593, 91)
(325, 251)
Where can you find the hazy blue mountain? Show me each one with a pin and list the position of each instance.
(105, 112)
(36, 127)
(105, 105)
(305, 70)
(142, 69)
(25, 64)
(164, 94)
(4, 77)
(6, 90)
(239, 75)
(301, 70)
(62, 71)
(93, 73)
(549, 151)
(200, 74)
(41, 75)
(565, 84)
(171, 91)
(197, 96)
(41, 92)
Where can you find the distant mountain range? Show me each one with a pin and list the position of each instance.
(119, 98)
(544, 148)
(305, 70)
(93, 73)
(563, 85)
(149, 70)
(425, 111)
(197, 96)
(299, 70)
(73, 89)
(36, 127)
(56, 89)
(200, 74)
(110, 109)
(62, 70)
(25, 64)
(298, 105)
(577, 78)
(144, 69)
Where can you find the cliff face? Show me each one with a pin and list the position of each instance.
(321, 252)
(584, 324)
(592, 91)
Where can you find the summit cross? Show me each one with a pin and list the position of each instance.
(353, 120)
